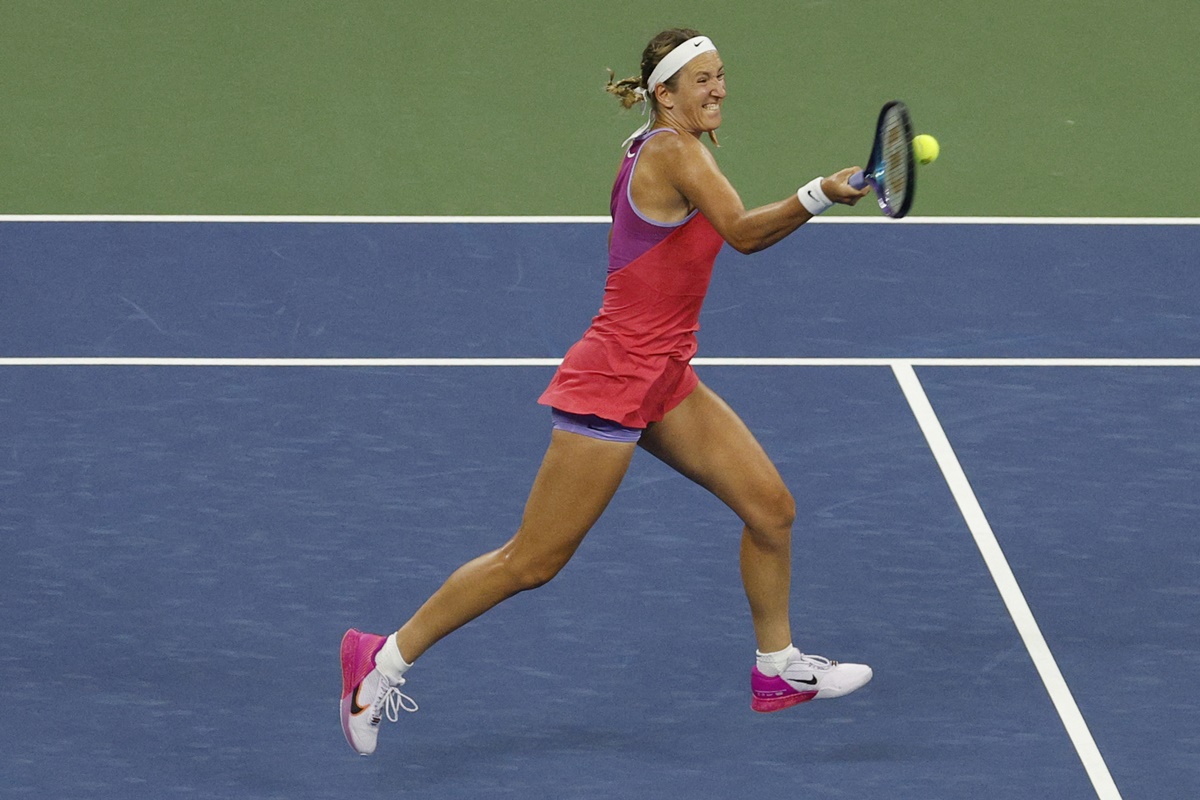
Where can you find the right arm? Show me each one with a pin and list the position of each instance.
(683, 175)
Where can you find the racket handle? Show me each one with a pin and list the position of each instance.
(858, 180)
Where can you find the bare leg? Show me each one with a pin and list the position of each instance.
(575, 483)
(703, 439)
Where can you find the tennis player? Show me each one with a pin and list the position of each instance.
(628, 383)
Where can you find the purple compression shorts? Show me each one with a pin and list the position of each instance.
(595, 427)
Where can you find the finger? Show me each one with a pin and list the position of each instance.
(842, 178)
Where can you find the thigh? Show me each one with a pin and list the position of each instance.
(577, 479)
(705, 440)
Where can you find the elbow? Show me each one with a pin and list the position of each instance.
(753, 240)
(747, 246)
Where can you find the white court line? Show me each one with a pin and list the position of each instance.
(564, 219)
(947, 362)
(1006, 582)
(135, 361)
(301, 219)
(171, 361)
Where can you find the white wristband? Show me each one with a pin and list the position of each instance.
(813, 198)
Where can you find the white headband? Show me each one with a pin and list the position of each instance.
(672, 62)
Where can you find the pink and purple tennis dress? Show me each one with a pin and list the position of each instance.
(632, 365)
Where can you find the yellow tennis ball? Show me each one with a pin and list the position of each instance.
(925, 148)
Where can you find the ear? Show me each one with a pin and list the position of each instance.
(662, 96)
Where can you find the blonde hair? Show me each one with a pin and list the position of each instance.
(632, 90)
(626, 90)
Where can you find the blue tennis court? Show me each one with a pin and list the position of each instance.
(301, 446)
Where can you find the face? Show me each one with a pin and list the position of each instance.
(695, 105)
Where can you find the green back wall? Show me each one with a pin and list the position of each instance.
(370, 107)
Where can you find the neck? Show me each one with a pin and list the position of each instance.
(668, 121)
(675, 126)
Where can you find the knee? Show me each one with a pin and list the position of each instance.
(529, 571)
(771, 519)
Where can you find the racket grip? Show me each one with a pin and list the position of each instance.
(858, 180)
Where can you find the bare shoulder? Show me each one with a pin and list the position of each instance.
(676, 175)
(676, 146)
(678, 152)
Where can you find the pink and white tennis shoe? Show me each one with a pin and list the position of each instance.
(805, 678)
(367, 695)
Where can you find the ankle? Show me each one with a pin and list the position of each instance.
(389, 661)
(771, 664)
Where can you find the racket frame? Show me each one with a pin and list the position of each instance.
(876, 171)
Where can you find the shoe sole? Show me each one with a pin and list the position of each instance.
(765, 705)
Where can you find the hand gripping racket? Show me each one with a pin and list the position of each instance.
(891, 169)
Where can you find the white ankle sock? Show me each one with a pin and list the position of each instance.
(389, 661)
(771, 664)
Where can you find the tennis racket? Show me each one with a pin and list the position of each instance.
(891, 170)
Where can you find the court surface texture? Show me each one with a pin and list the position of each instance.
(223, 442)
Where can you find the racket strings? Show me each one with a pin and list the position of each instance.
(895, 162)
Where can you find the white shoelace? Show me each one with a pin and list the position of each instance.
(390, 702)
(815, 662)
(394, 701)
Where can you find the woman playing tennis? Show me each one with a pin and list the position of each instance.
(628, 383)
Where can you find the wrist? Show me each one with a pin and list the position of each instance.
(813, 197)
